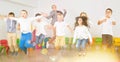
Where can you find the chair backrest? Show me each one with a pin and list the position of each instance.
(98, 39)
(4, 42)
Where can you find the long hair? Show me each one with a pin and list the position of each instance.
(84, 21)
(85, 14)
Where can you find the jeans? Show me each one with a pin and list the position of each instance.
(81, 43)
(40, 38)
(25, 41)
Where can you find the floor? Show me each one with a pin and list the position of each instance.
(94, 54)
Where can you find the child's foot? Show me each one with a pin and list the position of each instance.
(79, 53)
(84, 54)
(26, 52)
(12, 53)
(16, 53)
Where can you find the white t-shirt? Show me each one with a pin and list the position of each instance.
(25, 24)
(81, 32)
(60, 28)
(40, 27)
(107, 26)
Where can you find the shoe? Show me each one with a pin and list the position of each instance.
(79, 53)
(84, 54)
(12, 53)
(25, 51)
(16, 53)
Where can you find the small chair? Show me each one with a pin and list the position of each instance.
(116, 42)
(98, 42)
(4, 45)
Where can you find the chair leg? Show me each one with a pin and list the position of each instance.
(7, 50)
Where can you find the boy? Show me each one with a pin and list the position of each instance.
(40, 26)
(107, 22)
(11, 34)
(53, 14)
(25, 28)
(59, 30)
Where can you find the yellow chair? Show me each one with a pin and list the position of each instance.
(116, 42)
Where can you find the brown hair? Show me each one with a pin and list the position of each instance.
(37, 14)
(83, 13)
(109, 9)
(84, 21)
(25, 11)
(11, 13)
(60, 12)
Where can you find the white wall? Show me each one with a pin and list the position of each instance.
(94, 8)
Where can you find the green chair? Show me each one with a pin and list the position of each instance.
(68, 42)
(18, 41)
(1, 47)
(98, 41)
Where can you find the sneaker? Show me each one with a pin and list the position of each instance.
(12, 53)
(25, 51)
(79, 53)
(16, 53)
(84, 54)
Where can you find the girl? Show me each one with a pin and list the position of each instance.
(85, 15)
(81, 34)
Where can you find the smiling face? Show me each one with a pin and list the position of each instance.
(54, 8)
(24, 14)
(60, 17)
(108, 13)
(80, 21)
(11, 14)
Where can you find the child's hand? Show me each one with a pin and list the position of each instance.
(104, 20)
(64, 10)
(44, 14)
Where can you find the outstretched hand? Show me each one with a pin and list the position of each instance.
(44, 14)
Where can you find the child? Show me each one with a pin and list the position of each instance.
(25, 28)
(11, 34)
(107, 22)
(85, 14)
(40, 26)
(53, 14)
(81, 34)
(59, 30)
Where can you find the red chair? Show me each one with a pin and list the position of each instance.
(4, 44)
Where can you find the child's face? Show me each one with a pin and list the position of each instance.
(54, 7)
(38, 20)
(108, 13)
(10, 15)
(80, 21)
(24, 14)
(60, 17)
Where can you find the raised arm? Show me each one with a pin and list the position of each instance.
(51, 15)
(13, 18)
(2, 17)
(34, 18)
(65, 12)
(101, 21)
